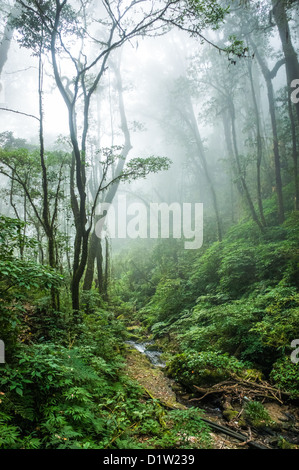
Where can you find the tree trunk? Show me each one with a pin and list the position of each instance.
(229, 146)
(294, 154)
(100, 274)
(95, 241)
(291, 59)
(259, 146)
(7, 37)
(94, 247)
(239, 168)
(191, 121)
(268, 76)
(107, 268)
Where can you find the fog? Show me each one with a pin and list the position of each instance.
(174, 91)
(149, 199)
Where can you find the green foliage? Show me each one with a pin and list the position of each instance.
(280, 323)
(167, 300)
(256, 414)
(236, 48)
(185, 429)
(237, 269)
(30, 18)
(20, 280)
(64, 397)
(19, 274)
(140, 167)
(203, 368)
(204, 275)
(78, 397)
(285, 375)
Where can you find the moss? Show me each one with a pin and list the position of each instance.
(230, 414)
(133, 337)
(242, 423)
(284, 444)
(153, 347)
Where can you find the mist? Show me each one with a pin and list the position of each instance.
(149, 223)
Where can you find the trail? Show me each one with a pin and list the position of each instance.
(158, 386)
(155, 383)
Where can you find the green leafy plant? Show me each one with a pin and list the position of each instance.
(285, 375)
(185, 429)
(256, 414)
(203, 368)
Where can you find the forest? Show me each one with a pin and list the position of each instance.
(149, 225)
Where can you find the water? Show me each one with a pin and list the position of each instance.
(153, 356)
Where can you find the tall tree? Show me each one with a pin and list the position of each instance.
(117, 22)
(291, 59)
(268, 76)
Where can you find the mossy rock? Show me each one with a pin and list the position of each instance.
(229, 414)
(284, 444)
(134, 328)
(133, 337)
(210, 377)
(202, 368)
(153, 347)
(242, 422)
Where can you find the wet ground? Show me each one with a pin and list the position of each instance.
(145, 365)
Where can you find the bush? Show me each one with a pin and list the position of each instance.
(256, 414)
(285, 375)
(204, 368)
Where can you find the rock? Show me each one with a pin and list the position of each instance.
(229, 414)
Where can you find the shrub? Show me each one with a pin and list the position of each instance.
(285, 375)
(256, 414)
(203, 368)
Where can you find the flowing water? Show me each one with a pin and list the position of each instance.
(153, 356)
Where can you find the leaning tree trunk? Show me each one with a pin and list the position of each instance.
(290, 55)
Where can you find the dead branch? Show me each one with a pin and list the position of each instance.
(239, 387)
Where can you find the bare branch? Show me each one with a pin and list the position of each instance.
(19, 112)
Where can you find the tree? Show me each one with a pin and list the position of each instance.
(22, 167)
(268, 76)
(95, 249)
(62, 23)
(291, 59)
(7, 36)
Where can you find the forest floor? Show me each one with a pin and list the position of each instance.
(157, 385)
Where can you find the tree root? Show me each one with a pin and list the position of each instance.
(238, 387)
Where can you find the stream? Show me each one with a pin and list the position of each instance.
(153, 356)
(229, 436)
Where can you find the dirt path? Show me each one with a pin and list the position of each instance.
(157, 385)
(151, 378)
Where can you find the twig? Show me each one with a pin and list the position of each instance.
(20, 112)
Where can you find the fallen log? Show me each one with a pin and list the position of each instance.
(217, 427)
(237, 435)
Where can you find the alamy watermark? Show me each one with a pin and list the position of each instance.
(295, 93)
(153, 220)
(295, 353)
